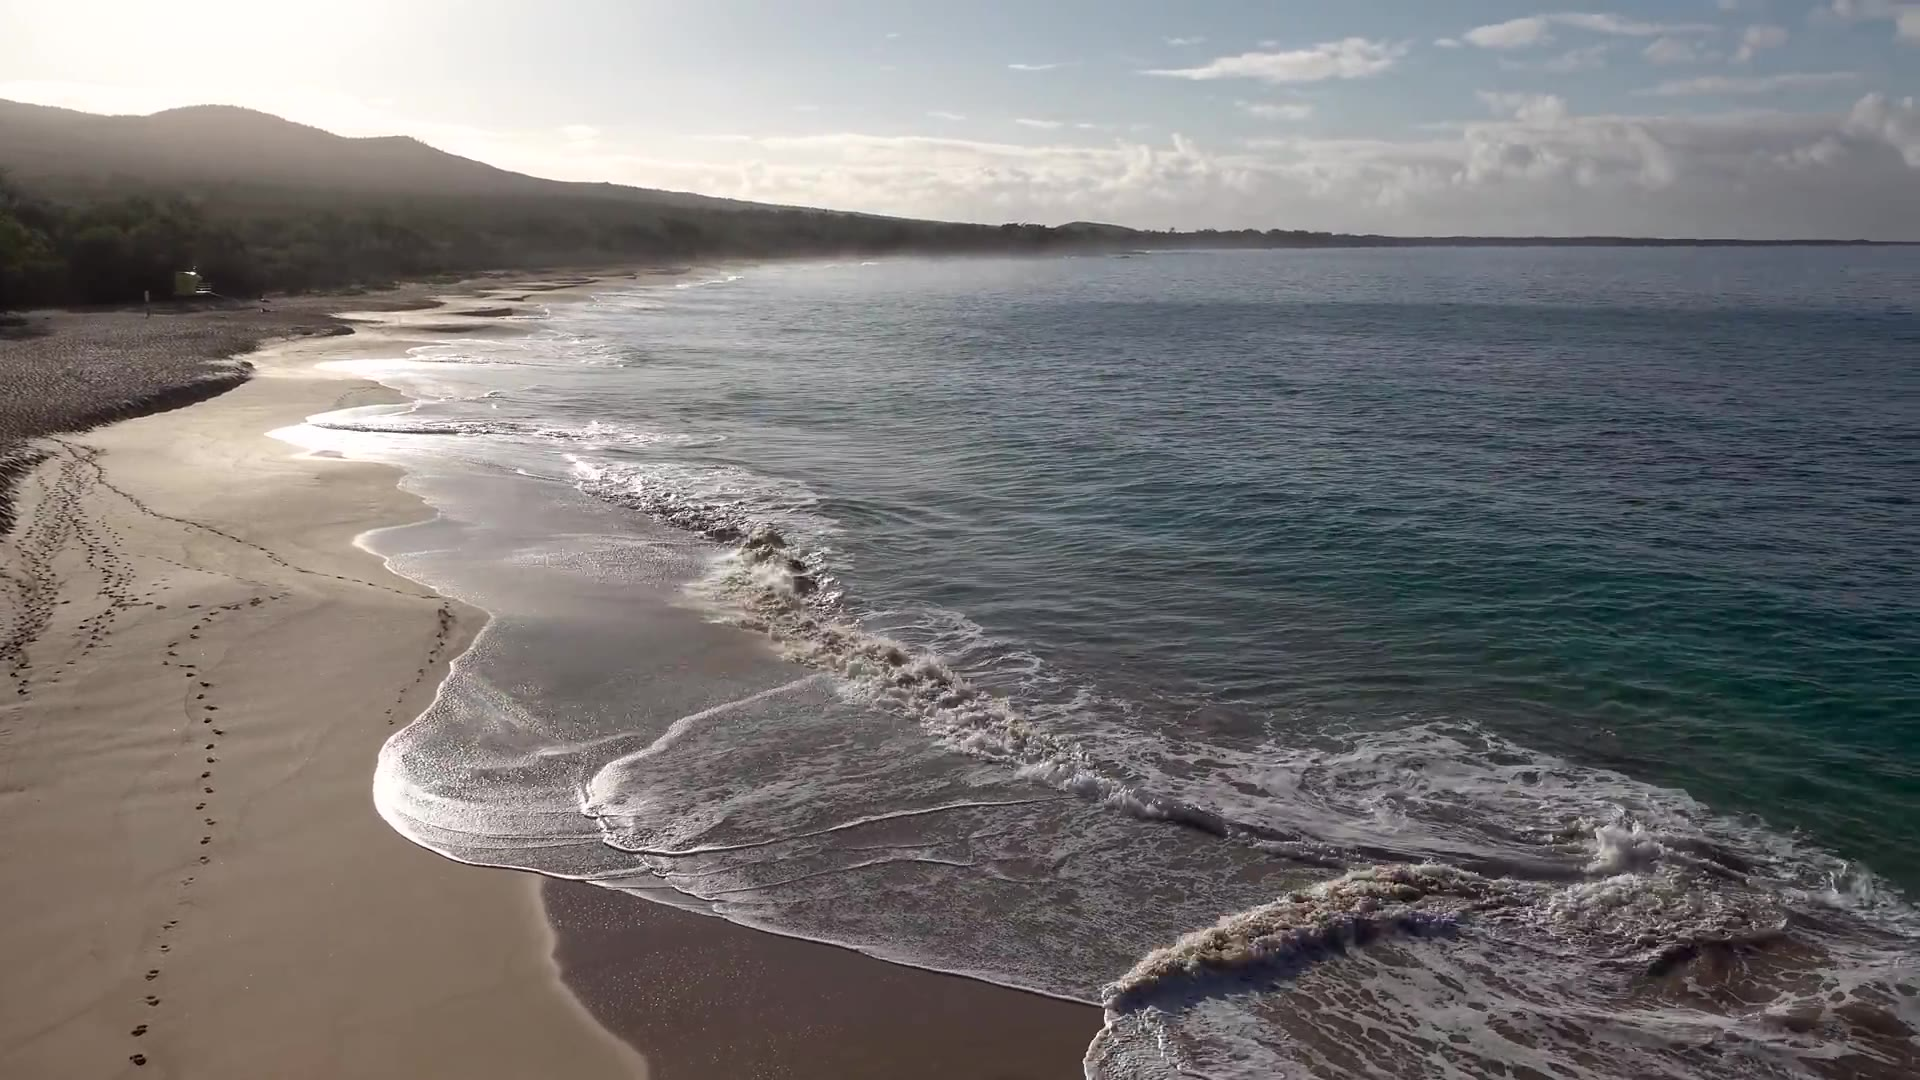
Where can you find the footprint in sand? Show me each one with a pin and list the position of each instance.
(139, 1031)
(137, 1059)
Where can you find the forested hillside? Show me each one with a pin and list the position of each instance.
(96, 209)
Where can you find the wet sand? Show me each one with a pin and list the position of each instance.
(702, 997)
(200, 668)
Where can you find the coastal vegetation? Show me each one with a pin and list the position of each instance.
(117, 242)
(103, 209)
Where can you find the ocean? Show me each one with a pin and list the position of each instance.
(1465, 663)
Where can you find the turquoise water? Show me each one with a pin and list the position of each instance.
(1513, 656)
(1650, 510)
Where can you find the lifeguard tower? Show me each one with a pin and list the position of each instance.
(188, 283)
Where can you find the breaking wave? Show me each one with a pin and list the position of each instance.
(765, 583)
(1441, 791)
(1306, 926)
(607, 433)
(723, 279)
(1656, 974)
(546, 348)
(1604, 896)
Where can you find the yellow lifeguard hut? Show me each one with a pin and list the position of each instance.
(189, 283)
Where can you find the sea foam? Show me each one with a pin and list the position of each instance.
(1615, 885)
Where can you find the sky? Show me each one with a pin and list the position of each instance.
(1751, 118)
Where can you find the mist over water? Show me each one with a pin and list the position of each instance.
(1513, 651)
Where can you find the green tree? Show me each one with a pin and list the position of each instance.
(26, 264)
(98, 259)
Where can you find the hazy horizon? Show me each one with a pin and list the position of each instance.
(1739, 118)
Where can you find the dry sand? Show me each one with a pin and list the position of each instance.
(200, 668)
(197, 884)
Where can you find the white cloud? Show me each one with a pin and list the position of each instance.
(1447, 42)
(1589, 58)
(1268, 110)
(1673, 50)
(1526, 108)
(1860, 10)
(1904, 14)
(1512, 34)
(893, 35)
(1534, 168)
(1534, 30)
(1759, 84)
(1349, 58)
(580, 133)
(942, 114)
(1044, 125)
(1895, 122)
(1759, 38)
(1614, 24)
(1033, 67)
(1182, 42)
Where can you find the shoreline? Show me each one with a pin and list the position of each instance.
(871, 1018)
(200, 885)
(212, 957)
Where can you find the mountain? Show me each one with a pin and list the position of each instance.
(221, 145)
(104, 209)
(1099, 228)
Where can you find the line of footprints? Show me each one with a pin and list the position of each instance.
(442, 637)
(198, 707)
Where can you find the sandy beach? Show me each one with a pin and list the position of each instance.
(201, 667)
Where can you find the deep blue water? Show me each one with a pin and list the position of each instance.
(1592, 572)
